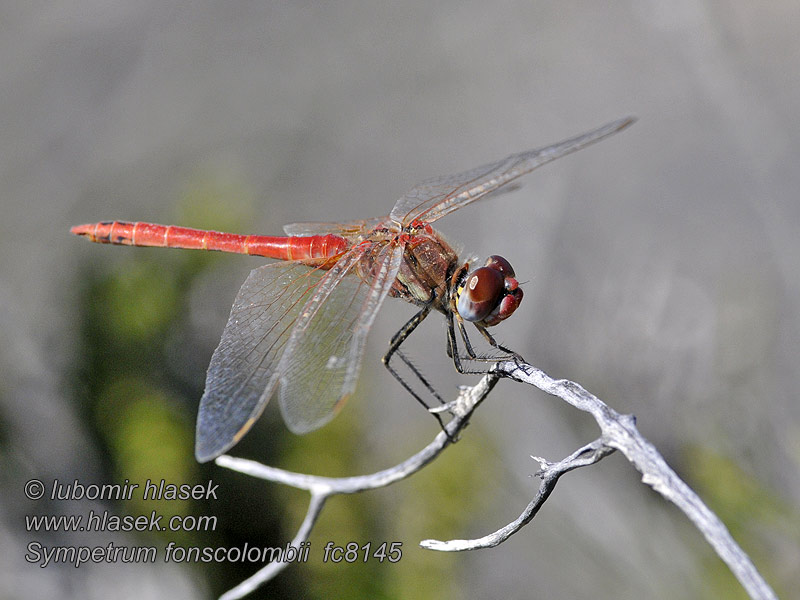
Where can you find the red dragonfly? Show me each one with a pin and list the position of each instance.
(302, 323)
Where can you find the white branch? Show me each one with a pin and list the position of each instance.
(618, 433)
(253, 582)
(549, 472)
(321, 488)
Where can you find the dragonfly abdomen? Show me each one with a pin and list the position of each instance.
(170, 236)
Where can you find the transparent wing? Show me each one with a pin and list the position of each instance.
(349, 230)
(434, 198)
(320, 365)
(242, 375)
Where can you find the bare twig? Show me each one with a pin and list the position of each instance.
(321, 488)
(550, 473)
(618, 432)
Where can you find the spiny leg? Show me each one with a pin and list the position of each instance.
(452, 347)
(394, 347)
(453, 352)
(490, 338)
(412, 367)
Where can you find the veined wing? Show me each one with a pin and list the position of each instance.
(243, 371)
(321, 362)
(350, 230)
(291, 324)
(434, 198)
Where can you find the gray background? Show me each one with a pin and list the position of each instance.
(659, 267)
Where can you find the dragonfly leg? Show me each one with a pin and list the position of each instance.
(394, 348)
(412, 367)
(490, 338)
(453, 352)
(452, 347)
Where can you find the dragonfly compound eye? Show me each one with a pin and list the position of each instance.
(501, 264)
(481, 294)
(490, 293)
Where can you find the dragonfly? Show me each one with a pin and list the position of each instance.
(300, 325)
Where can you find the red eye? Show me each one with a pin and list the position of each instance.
(482, 291)
(501, 264)
(490, 293)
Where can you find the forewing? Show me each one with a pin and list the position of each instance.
(243, 371)
(320, 366)
(434, 198)
(349, 230)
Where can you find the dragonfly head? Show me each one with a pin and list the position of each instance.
(490, 293)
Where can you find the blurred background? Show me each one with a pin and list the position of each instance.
(659, 269)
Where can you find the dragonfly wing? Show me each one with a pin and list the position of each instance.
(434, 198)
(243, 371)
(320, 366)
(348, 230)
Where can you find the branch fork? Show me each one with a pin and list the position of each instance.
(618, 433)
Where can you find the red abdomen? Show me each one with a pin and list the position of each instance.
(307, 248)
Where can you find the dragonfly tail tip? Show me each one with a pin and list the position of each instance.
(80, 229)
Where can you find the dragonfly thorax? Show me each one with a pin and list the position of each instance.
(426, 269)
